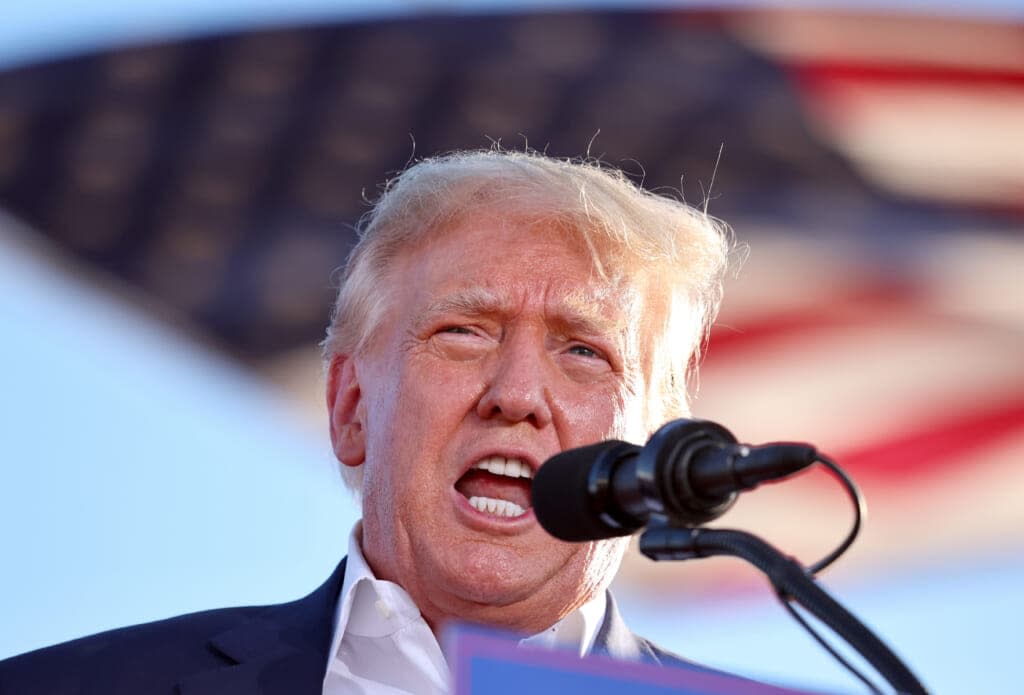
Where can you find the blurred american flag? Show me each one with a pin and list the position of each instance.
(901, 355)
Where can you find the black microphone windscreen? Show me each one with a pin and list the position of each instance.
(562, 497)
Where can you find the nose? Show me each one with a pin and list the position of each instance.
(518, 388)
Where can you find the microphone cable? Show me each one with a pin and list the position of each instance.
(860, 511)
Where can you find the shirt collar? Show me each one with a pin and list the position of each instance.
(575, 631)
(375, 608)
(368, 606)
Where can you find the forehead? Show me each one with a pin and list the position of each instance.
(490, 259)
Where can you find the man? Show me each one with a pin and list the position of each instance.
(498, 309)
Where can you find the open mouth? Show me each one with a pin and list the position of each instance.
(498, 486)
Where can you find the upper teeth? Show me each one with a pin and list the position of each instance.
(499, 465)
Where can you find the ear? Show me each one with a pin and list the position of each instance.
(344, 408)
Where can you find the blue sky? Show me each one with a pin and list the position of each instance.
(39, 29)
(143, 475)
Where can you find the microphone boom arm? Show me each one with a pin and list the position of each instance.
(664, 541)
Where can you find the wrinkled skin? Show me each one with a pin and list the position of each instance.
(499, 339)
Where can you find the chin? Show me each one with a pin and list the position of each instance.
(493, 575)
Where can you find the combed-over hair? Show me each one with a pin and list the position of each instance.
(623, 225)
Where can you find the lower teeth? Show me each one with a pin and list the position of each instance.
(489, 505)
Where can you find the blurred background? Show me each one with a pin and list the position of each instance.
(178, 181)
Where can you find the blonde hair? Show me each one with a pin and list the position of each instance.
(622, 224)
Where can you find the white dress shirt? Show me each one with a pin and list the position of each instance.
(382, 645)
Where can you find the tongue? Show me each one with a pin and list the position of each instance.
(478, 483)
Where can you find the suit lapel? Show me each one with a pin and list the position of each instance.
(280, 651)
(616, 640)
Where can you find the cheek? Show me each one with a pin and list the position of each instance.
(633, 409)
(408, 422)
(615, 414)
(386, 430)
(634, 425)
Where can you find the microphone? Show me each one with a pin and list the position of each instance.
(689, 473)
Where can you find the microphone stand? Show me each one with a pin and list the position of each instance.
(664, 541)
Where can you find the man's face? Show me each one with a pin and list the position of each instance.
(500, 345)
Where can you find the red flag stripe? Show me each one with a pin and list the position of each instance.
(822, 73)
(864, 304)
(933, 448)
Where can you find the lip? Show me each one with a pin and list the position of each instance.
(489, 523)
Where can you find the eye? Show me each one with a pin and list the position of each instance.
(585, 363)
(583, 351)
(460, 342)
(458, 330)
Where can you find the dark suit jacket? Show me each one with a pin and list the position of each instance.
(275, 650)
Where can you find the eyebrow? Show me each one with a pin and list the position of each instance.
(580, 310)
(472, 301)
